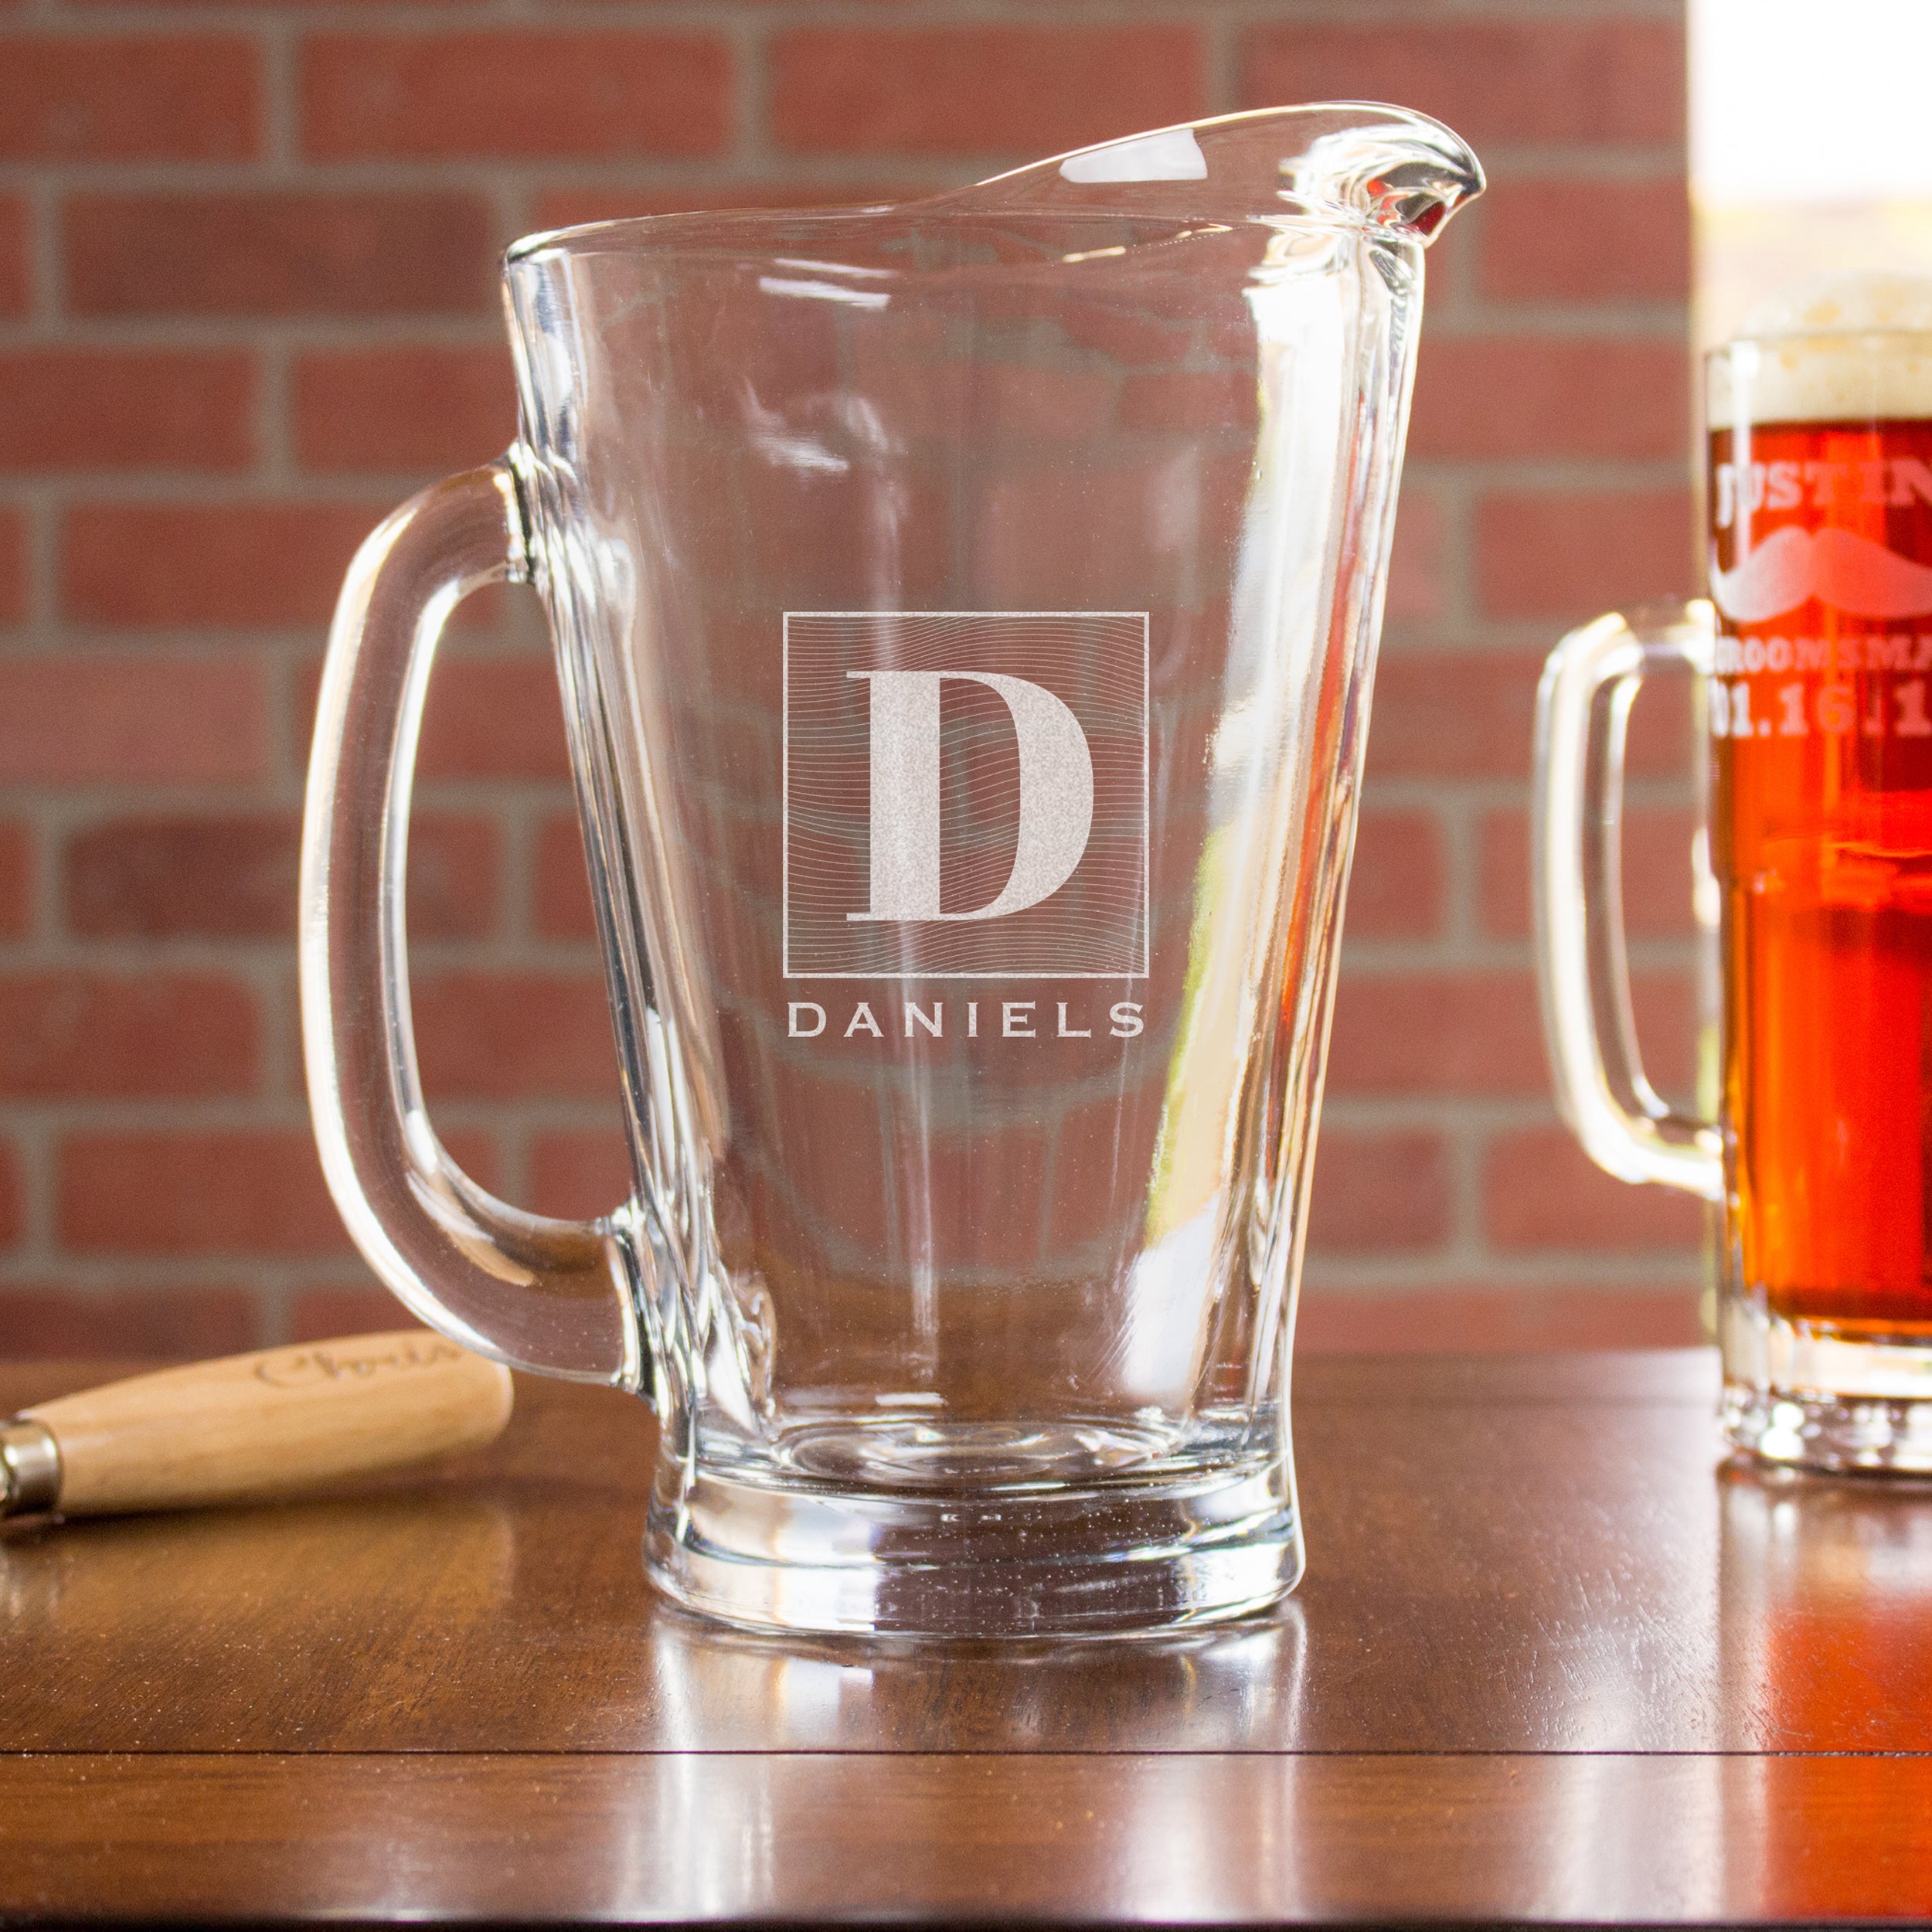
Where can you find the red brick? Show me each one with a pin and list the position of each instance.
(267, 253)
(185, 1191)
(560, 889)
(1543, 238)
(13, 568)
(1472, 714)
(50, 1322)
(521, 1035)
(494, 718)
(326, 1314)
(404, 404)
(233, 876)
(1503, 865)
(1418, 563)
(85, 1033)
(1456, 1319)
(1528, 78)
(1565, 555)
(229, 877)
(1397, 888)
(580, 1175)
(1540, 1190)
(1477, 1032)
(1444, 1033)
(230, 566)
(410, 409)
(152, 719)
(1656, 874)
(1665, 734)
(256, 1191)
(1542, 395)
(1379, 1192)
(88, 408)
(16, 260)
(1668, 1020)
(1024, 90)
(11, 1209)
(168, 5)
(180, 96)
(455, 875)
(1453, 714)
(515, 92)
(17, 871)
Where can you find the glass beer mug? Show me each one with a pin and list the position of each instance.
(964, 612)
(1817, 658)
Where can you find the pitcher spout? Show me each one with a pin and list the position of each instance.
(1352, 161)
(1395, 169)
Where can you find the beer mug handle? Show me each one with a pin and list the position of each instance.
(1583, 969)
(550, 1295)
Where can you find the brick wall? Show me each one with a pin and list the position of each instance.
(246, 302)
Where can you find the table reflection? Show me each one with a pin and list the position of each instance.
(1232, 1688)
(1097, 1836)
(1826, 1589)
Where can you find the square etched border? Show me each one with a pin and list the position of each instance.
(785, 797)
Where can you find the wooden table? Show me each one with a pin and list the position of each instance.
(1551, 1662)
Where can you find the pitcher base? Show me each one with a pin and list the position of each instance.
(1095, 1561)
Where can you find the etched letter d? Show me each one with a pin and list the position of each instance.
(1056, 793)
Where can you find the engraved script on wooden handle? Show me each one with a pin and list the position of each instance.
(272, 1423)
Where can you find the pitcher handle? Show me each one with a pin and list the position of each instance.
(1582, 968)
(549, 1295)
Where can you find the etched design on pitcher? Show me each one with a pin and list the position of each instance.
(966, 795)
(1053, 803)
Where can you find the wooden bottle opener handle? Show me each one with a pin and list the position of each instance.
(251, 1426)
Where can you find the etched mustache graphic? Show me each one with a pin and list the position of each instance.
(1838, 567)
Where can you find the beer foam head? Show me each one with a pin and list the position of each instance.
(1835, 348)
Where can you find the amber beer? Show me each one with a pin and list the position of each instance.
(1815, 652)
(1821, 840)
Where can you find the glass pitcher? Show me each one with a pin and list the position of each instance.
(964, 612)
